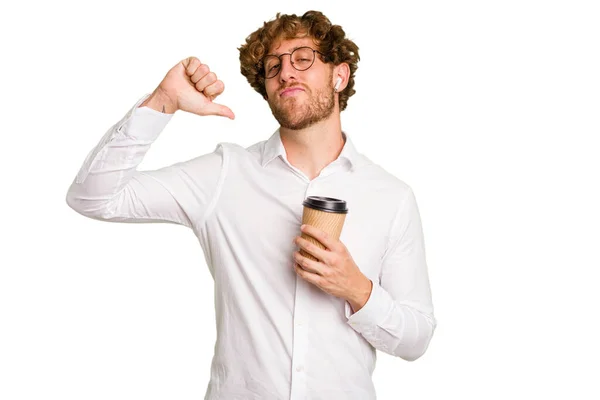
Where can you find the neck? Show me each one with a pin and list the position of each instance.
(313, 148)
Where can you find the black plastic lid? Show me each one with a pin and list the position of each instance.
(328, 204)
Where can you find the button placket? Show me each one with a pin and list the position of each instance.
(300, 341)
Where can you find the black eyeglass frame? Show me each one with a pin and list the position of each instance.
(264, 72)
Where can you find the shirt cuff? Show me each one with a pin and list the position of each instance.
(143, 123)
(373, 313)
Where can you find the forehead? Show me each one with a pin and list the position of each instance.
(288, 45)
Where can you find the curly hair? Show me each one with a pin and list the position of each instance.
(330, 39)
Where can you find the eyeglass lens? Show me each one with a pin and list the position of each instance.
(301, 58)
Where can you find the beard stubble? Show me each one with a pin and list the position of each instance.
(294, 114)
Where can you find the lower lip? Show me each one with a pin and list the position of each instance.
(291, 92)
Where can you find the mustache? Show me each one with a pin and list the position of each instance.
(282, 88)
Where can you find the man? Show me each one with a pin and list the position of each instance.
(287, 327)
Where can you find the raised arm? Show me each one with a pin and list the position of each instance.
(109, 186)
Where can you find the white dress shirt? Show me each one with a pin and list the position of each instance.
(278, 336)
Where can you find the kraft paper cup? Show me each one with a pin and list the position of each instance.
(325, 213)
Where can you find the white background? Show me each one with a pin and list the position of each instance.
(488, 110)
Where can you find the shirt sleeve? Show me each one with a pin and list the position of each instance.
(398, 316)
(109, 187)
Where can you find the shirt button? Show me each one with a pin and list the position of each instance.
(299, 368)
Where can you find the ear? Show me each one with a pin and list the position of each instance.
(342, 72)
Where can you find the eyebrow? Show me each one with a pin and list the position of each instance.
(297, 47)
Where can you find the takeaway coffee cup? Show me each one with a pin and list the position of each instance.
(325, 213)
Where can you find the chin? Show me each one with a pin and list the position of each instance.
(296, 125)
(298, 121)
(293, 118)
(295, 114)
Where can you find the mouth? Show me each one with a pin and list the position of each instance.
(290, 91)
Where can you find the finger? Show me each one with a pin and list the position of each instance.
(321, 236)
(306, 271)
(214, 89)
(301, 272)
(307, 264)
(312, 249)
(219, 109)
(191, 64)
(208, 79)
(309, 277)
(201, 71)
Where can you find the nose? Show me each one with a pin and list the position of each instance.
(287, 71)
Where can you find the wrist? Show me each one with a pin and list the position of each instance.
(160, 101)
(361, 296)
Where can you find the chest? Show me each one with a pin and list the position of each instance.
(265, 217)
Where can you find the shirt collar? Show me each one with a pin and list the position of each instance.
(274, 147)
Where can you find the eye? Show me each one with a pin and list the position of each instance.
(274, 67)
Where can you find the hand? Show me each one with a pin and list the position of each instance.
(335, 272)
(192, 87)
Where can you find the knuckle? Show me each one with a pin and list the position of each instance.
(194, 64)
(215, 87)
(208, 91)
(187, 62)
(201, 70)
(189, 69)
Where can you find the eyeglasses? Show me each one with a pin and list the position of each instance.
(301, 59)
